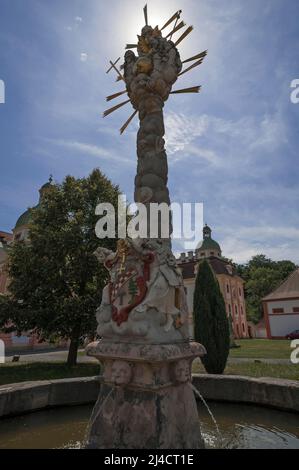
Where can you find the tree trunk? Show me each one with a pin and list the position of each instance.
(73, 349)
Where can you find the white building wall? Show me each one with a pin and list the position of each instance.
(287, 305)
(281, 325)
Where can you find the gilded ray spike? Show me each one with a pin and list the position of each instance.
(116, 95)
(123, 128)
(196, 64)
(174, 17)
(120, 77)
(113, 64)
(198, 56)
(194, 89)
(176, 22)
(111, 110)
(176, 28)
(131, 46)
(145, 15)
(188, 31)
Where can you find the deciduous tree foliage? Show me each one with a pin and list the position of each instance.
(262, 276)
(56, 281)
(211, 326)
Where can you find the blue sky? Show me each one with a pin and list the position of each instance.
(233, 147)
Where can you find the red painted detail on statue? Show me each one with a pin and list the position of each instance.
(133, 287)
(122, 315)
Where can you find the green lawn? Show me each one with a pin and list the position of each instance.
(281, 371)
(262, 348)
(13, 373)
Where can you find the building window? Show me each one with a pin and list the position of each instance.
(240, 292)
(243, 327)
(242, 310)
(229, 309)
(212, 253)
(278, 310)
(227, 288)
(295, 309)
(236, 310)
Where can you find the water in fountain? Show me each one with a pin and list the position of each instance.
(197, 392)
(94, 416)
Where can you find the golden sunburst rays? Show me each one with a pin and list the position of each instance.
(196, 59)
(184, 35)
(175, 25)
(131, 46)
(175, 29)
(116, 95)
(171, 20)
(193, 89)
(196, 64)
(119, 75)
(198, 56)
(114, 108)
(113, 65)
(123, 128)
(145, 15)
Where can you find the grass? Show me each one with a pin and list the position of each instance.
(250, 369)
(14, 373)
(262, 348)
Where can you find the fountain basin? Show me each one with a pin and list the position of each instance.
(56, 424)
(241, 426)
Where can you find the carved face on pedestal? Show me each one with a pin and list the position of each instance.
(182, 371)
(121, 373)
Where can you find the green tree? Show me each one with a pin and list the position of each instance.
(56, 281)
(262, 275)
(211, 327)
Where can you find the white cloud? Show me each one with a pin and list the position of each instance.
(181, 130)
(276, 242)
(83, 57)
(249, 134)
(89, 149)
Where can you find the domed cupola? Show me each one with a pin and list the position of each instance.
(208, 247)
(21, 231)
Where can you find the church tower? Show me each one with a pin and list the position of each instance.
(207, 247)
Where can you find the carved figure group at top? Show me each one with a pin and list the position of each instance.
(149, 78)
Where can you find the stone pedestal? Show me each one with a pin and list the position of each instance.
(145, 400)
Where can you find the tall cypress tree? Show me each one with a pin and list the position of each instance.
(211, 327)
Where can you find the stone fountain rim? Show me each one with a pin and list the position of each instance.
(26, 397)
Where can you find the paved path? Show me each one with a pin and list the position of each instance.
(60, 356)
(51, 356)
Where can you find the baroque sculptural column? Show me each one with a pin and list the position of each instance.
(145, 399)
